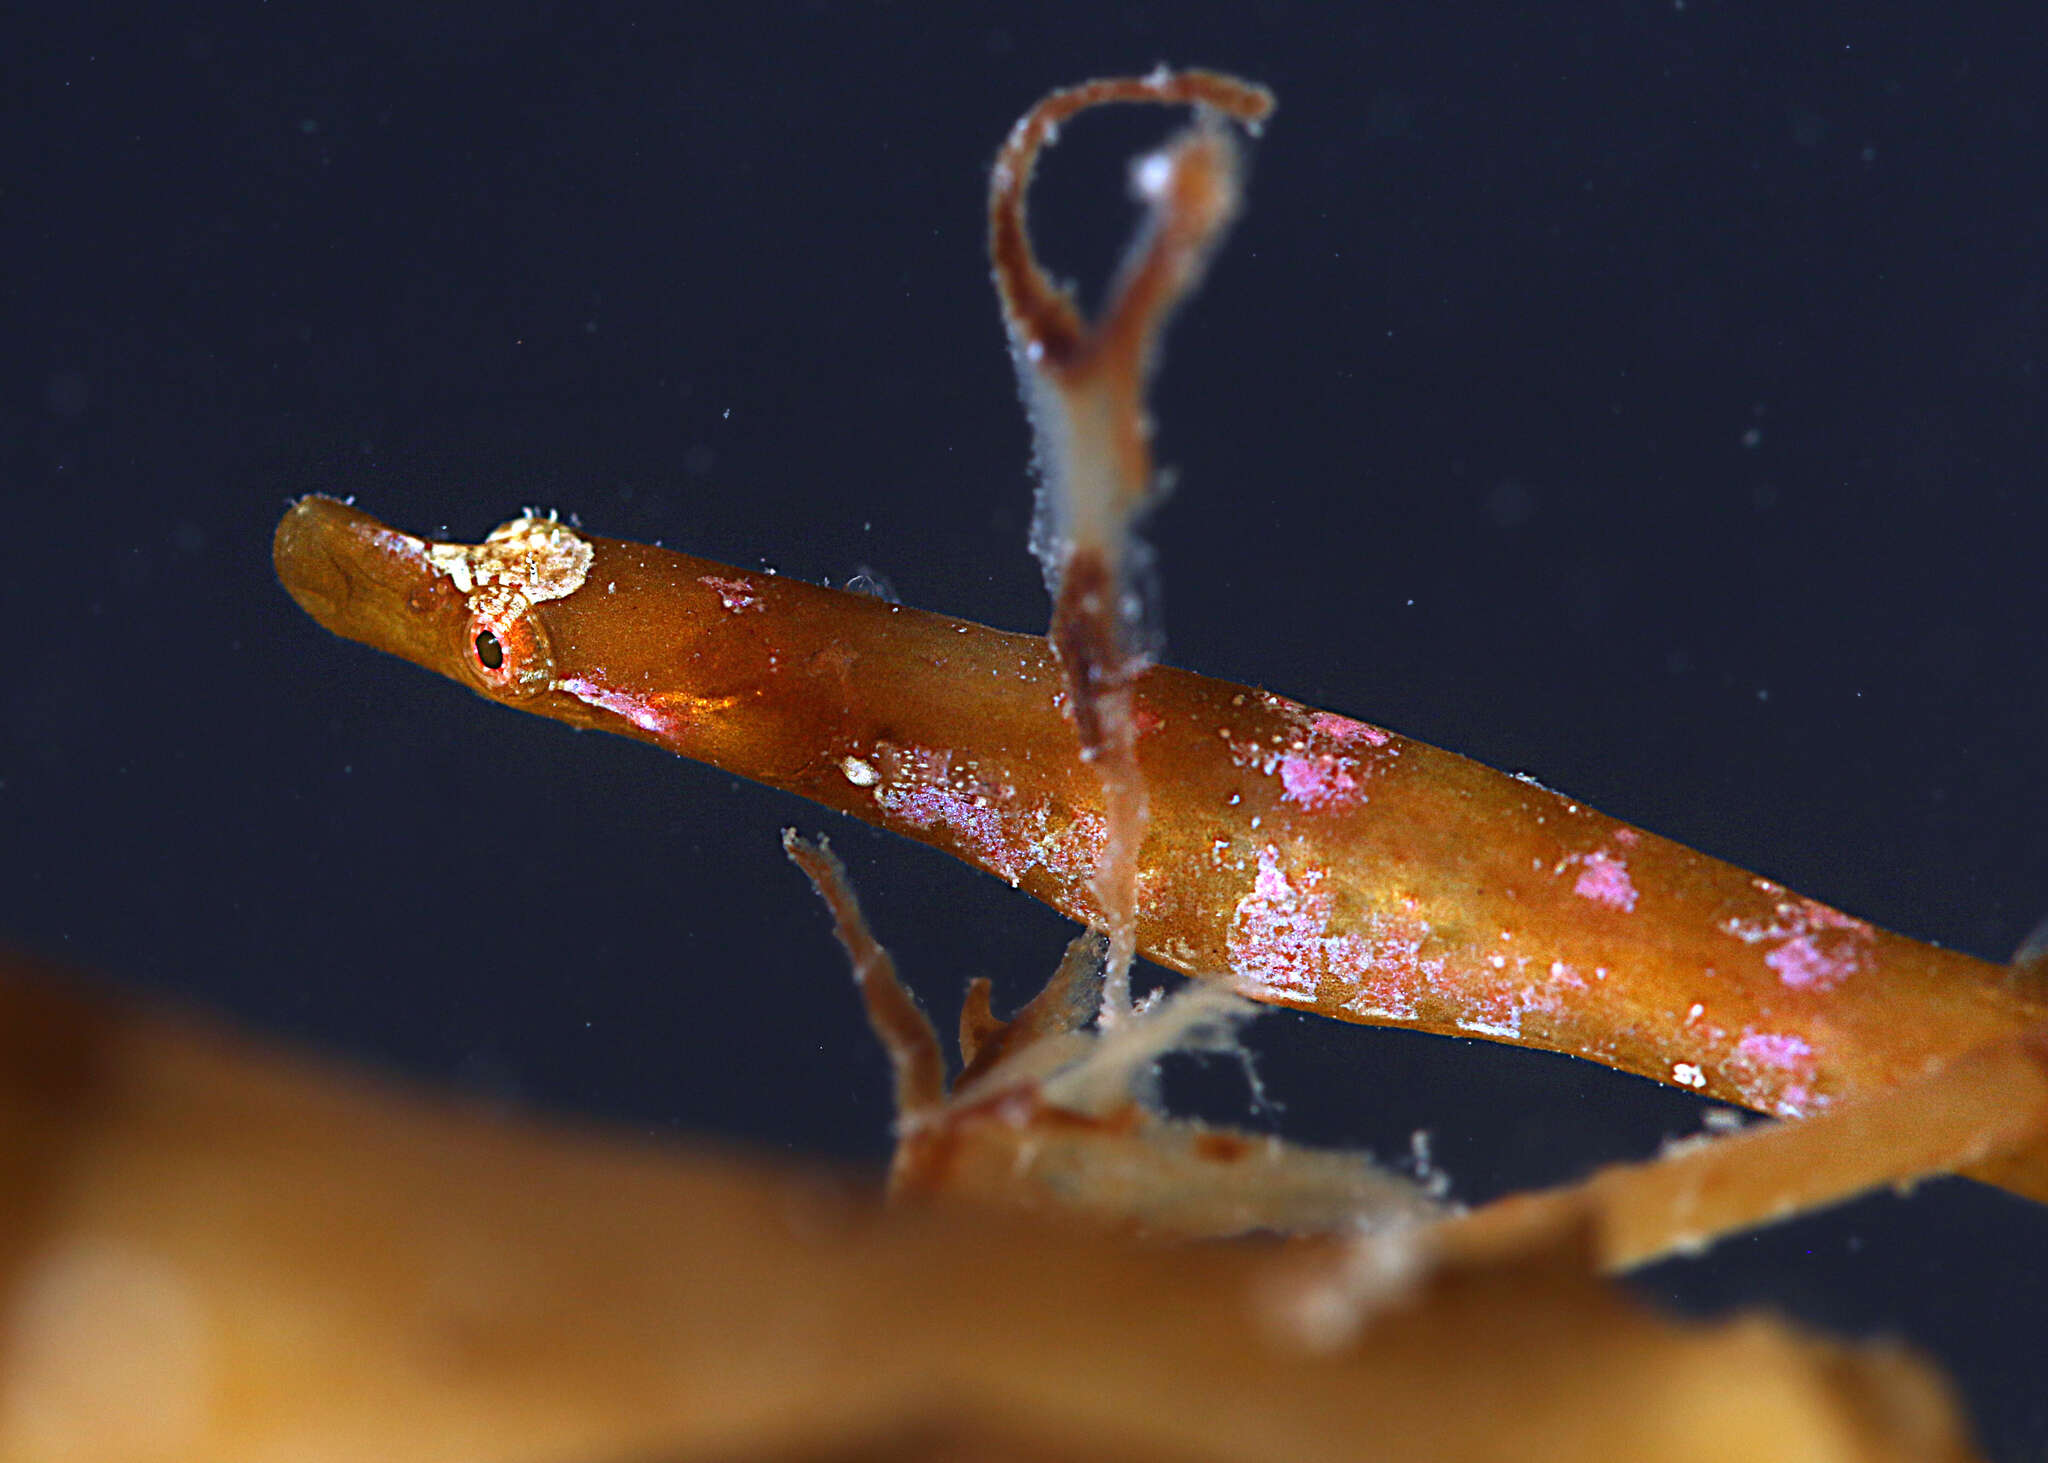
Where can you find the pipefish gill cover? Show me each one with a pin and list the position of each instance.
(1651, 407)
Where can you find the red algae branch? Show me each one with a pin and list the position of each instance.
(1084, 386)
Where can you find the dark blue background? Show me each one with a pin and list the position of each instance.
(1648, 397)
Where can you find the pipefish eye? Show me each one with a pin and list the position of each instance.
(505, 650)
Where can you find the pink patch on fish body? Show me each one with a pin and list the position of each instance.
(1803, 965)
(646, 712)
(1773, 1070)
(1774, 1049)
(1279, 931)
(1315, 780)
(1346, 732)
(1604, 879)
(1817, 947)
(1330, 765)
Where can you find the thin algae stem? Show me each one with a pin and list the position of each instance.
(1084, 386)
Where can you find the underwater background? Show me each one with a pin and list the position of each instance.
(1646, 397)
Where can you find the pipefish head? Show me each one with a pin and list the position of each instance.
(464, 610)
